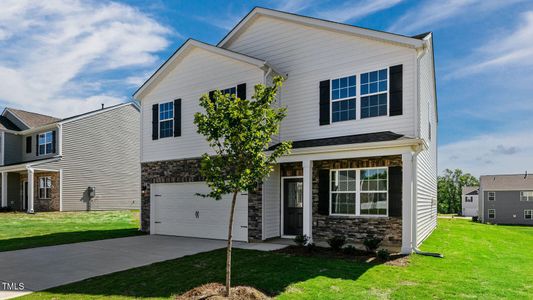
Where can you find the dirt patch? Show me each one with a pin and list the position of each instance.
(359, 255)
(215, 291)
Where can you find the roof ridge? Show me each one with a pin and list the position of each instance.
(14, 110)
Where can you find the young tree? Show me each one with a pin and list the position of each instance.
(239, 131)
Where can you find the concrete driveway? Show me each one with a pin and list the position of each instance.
(46, 267)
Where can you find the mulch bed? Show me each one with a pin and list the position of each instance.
(215, 291)
(399, 260)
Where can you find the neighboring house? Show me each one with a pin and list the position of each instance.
(470, 201)
(362, 116)
(85, 162)
(506, 199)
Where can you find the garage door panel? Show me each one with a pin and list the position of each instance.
(178, 210)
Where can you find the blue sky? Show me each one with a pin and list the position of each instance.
(67, 57)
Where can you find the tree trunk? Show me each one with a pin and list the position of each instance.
(228, 251)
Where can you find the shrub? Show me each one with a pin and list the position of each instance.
(301, 240)
(350, 250)
(372, 243)
(383, 254)
(310, 247)
(337, 242)
(475, 219)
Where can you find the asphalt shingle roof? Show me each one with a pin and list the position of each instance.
(344, 140)
(33, 119)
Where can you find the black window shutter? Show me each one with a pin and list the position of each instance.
(155, 121)
(28, 144)
(177, 117)
(323, 192)
(241, 91)
(54, 141)
(212, 96)
(324, 102)
(396, 90)
(37, 145)
(395, 191)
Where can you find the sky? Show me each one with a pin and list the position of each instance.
(68, 57)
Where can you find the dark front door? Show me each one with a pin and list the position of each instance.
(293, 194)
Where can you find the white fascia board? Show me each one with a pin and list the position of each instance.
(324, 24)
(194, 43)
(24, 166)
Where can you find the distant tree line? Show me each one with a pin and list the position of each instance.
(450, 186)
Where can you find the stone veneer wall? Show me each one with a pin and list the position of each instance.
(42, 205)
(355, 228)
(255, 214)
(165, 172)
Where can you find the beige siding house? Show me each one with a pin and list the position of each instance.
(85, 162)
(362, 116)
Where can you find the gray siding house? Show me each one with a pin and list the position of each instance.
(85, 162)
(506, 199)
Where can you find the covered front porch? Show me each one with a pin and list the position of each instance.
(30, 189)
(350, 190)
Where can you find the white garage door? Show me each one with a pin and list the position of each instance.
(177, 210)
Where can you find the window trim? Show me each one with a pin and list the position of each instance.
(358, 193)
(493, 212)
(47, 195)
(165, 120)
(358, 94)
(530, 214)
(527, 197)
(45, 143)
(493, 196)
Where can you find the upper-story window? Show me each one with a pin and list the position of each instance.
(492, 196)
(45, 143)
(374, 93)
(469, 199)
(166, 119)
(343, 98)
(526, 196)
(231, 91)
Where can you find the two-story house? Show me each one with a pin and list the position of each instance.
(506, 199)
(362, 116)
(470, 201)
(84, 162)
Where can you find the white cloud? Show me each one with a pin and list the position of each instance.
(432, 14)
(498, 153)
(349, 11)
(513, 49)
(53, 50)
(295, 6)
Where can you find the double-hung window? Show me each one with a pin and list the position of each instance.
(374, 94)
(492, 196)
(45, 143)
(528, 214)
(492, 213)
(231, 91)
(166, 119)
(526, 196)
(359, 192)
(343, 192)
(374, 188)
(343, 98)
(45, 187)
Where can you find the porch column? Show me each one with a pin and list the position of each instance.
(407, 203)
(4, 189)
(308, 198)
(31, 197)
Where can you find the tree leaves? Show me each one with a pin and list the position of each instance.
(450, 188)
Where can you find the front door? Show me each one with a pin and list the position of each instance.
(25, 195)
(293, 194)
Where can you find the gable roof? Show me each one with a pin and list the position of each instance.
(507, 182)
(190, 43)
(31, 119)
(470, 190)
(6, 124)
(412, 42)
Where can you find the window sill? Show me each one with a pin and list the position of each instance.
(357, 217)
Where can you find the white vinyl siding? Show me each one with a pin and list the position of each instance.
(309, 55)
(197, 73)
(426, 160)
(94, 155)
(272, 204)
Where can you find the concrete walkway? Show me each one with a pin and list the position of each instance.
(46, 267)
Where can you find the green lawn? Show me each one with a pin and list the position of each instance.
(481, 262)
(21, 230)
